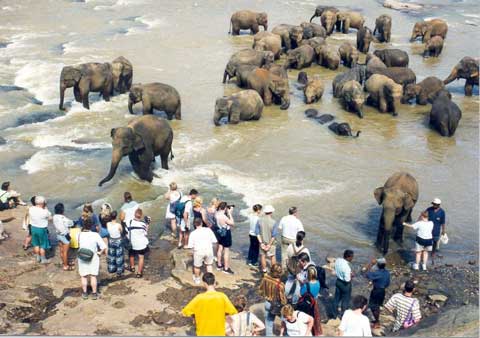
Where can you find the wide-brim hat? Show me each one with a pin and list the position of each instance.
(268, 209)
(436, 200)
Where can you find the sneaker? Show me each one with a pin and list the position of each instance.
(84, 295)
(424, 267)
(196, 280)
(39, 258)
(219, 267)
(415, 266)
(250, 264)
(265, 271)
(228, 271)
(95, 296)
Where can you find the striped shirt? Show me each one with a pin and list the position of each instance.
(402, 305)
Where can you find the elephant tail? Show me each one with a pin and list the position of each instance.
(171, 155)
(358, 134)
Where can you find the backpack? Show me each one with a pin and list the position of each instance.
(308, 304)
(173, 205)
(292, 263)
(180, 208)
(322, 277)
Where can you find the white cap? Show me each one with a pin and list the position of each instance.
(268, 209)
(39, 199)
(436, 200)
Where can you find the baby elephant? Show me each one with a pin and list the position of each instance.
(313, 90)
(353, 97)
(433, 47)
(327, 56)
(243, 106)
(302, 78)
(157, 96)
(248, 20)
(348, 54)
(445, 114)
(384, 93)
(424, 92)
(342, 129)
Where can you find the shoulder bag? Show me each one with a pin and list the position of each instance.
(84, 254)
(409, 320)
(127, 239)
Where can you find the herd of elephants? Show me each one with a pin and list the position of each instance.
(384, 81)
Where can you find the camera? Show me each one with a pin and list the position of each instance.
(147, 219)
(230, 206)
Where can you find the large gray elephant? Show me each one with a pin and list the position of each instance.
(356, 73)
(300, 57)
(445, 114)
(243, 106)
(86, 78)
(424, 92)
(157, 96)
(392, 57)
(122, 72)
(384, 93)
(248, 20)
(320, 9)
(401, 75)
(347, 20)
(398, 197)
(266, 41)
(467, 69)
(144, 138)
(247, 57)
(291, 35)
(328, 20)
(348, 54)
(364, 38)
(427, 29)
(312, 30)
(383, 25)
(328, 56)
(272, 88)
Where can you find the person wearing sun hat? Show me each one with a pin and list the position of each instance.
(437, 215)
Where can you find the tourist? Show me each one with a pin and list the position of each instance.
(211, 211)
(62, 227)
(266, 231)
(225, 222)
(423, 241)
(253, 250)
(87, 213)
(295, 323)
(9, 198)
(209, 309)
(115, 258)
(289, 226)
(199, 211)
(343, 285)
(354, 323)
(294, 285)
(437, 216)
(173, 196)
(3, 233)
(201, 240)
(311, 283)
(127, 210)
(380, 280)
(104, 218)
(137, 233)
(27, 226)
(405, 307)
(273, 290)
(184, 214)
(93, 246)
(244, 323)
(293, 251)
(39, 217)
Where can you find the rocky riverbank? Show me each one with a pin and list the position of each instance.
(44, 299)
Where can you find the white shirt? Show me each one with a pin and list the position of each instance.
(138, 237)
(62, 224)
(355, 325)
(290, 225)
(201, 240)
(114, 230)
(91, 240)
(39, 217)
(293, 250)
(253, 219)
(424, 229)
(174, 196)
(188, 209)
(300, 326)
(129, 210)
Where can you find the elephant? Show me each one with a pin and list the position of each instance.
(313, 90)
(243, 106)
(328, 56)
(428, 29)
(242, 73)
(266, 41)
(383, 25)
(271, 87)
(328, 20)
(247, 57)
(356, 73)
(248, 20)
(433, 47)
(384, 93)
(401, 75)
(347, 20)
(424, 91)
(324, 118)
(279, 70)
(142, 139)
(353, 97)
(372, 61)
(122, 72)
(300, 57)
(291, 35)
(348, 54)
(311, 113)
(86, 78)
(314, 42)
(392, 57)
(398, 196)
(302, 78)
(342, 129)
(313, 30)
(364, 38)
(445, 114)
(466, 69)
(157, 96)
(320, 9)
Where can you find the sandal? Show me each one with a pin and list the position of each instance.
(139, 275)
(26, 247)
(131, 269)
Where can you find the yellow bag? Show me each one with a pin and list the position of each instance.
(74, 232)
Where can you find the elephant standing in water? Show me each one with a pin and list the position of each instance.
(243, 106)
(466, 69)
(272, 88)
(144, 138)
(248, 20)
(122, 71)
(445, 114)
(398, 197)
(157, 96)
(429, 29)
(86, 78)
(383, 25)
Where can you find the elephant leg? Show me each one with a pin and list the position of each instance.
(468, 88)
(147, 106)
(254, 29)
(386, 242)
(382, 105)
(107, 90)
(76, 92)
(380, 233)
(267, 97)
(178, 112)
(164, 158)
(288, 44)
(85, 102)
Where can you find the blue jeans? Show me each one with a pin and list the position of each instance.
(343, 292)
(269, 319)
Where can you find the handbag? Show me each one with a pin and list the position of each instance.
(84, 254)
(444, 239)
(409, 320)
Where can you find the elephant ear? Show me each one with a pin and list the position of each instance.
(408, 202)
(378, 194)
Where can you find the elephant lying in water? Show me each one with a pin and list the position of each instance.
(144, 138)
(243, 106)
(157, 96)
(342, 129)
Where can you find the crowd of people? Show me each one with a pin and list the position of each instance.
(292, 287)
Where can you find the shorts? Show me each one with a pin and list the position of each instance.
(422, 244)
(200, 257)
(138, 252)
(419, 247)
(62, 239)
(183, 227)
(225, 241)
(40, 238)
(268, 253)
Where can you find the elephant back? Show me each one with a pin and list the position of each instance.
(404, 182)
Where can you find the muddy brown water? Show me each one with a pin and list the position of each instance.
(284, 159)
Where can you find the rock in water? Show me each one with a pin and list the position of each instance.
(393, 4)
(311, 113)
(437, 298)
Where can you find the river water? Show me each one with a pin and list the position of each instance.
(284, 159)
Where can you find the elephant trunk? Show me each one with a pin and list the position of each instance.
(216, 118)
(313, 16)
(388, 219)
(453, 76)
(130, 105)
(62, 96)
(116, 158)
(413, 37)
(285, 103)
(395, 104)
(225, 76)
(357, 135)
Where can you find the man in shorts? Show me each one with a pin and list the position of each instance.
(186, 221)
(201, 240)
(437, 215)
(266, 232)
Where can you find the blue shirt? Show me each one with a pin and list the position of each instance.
(96, 222)
(380, 278)
(438, 219)
(343, 269)
(314, 288)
